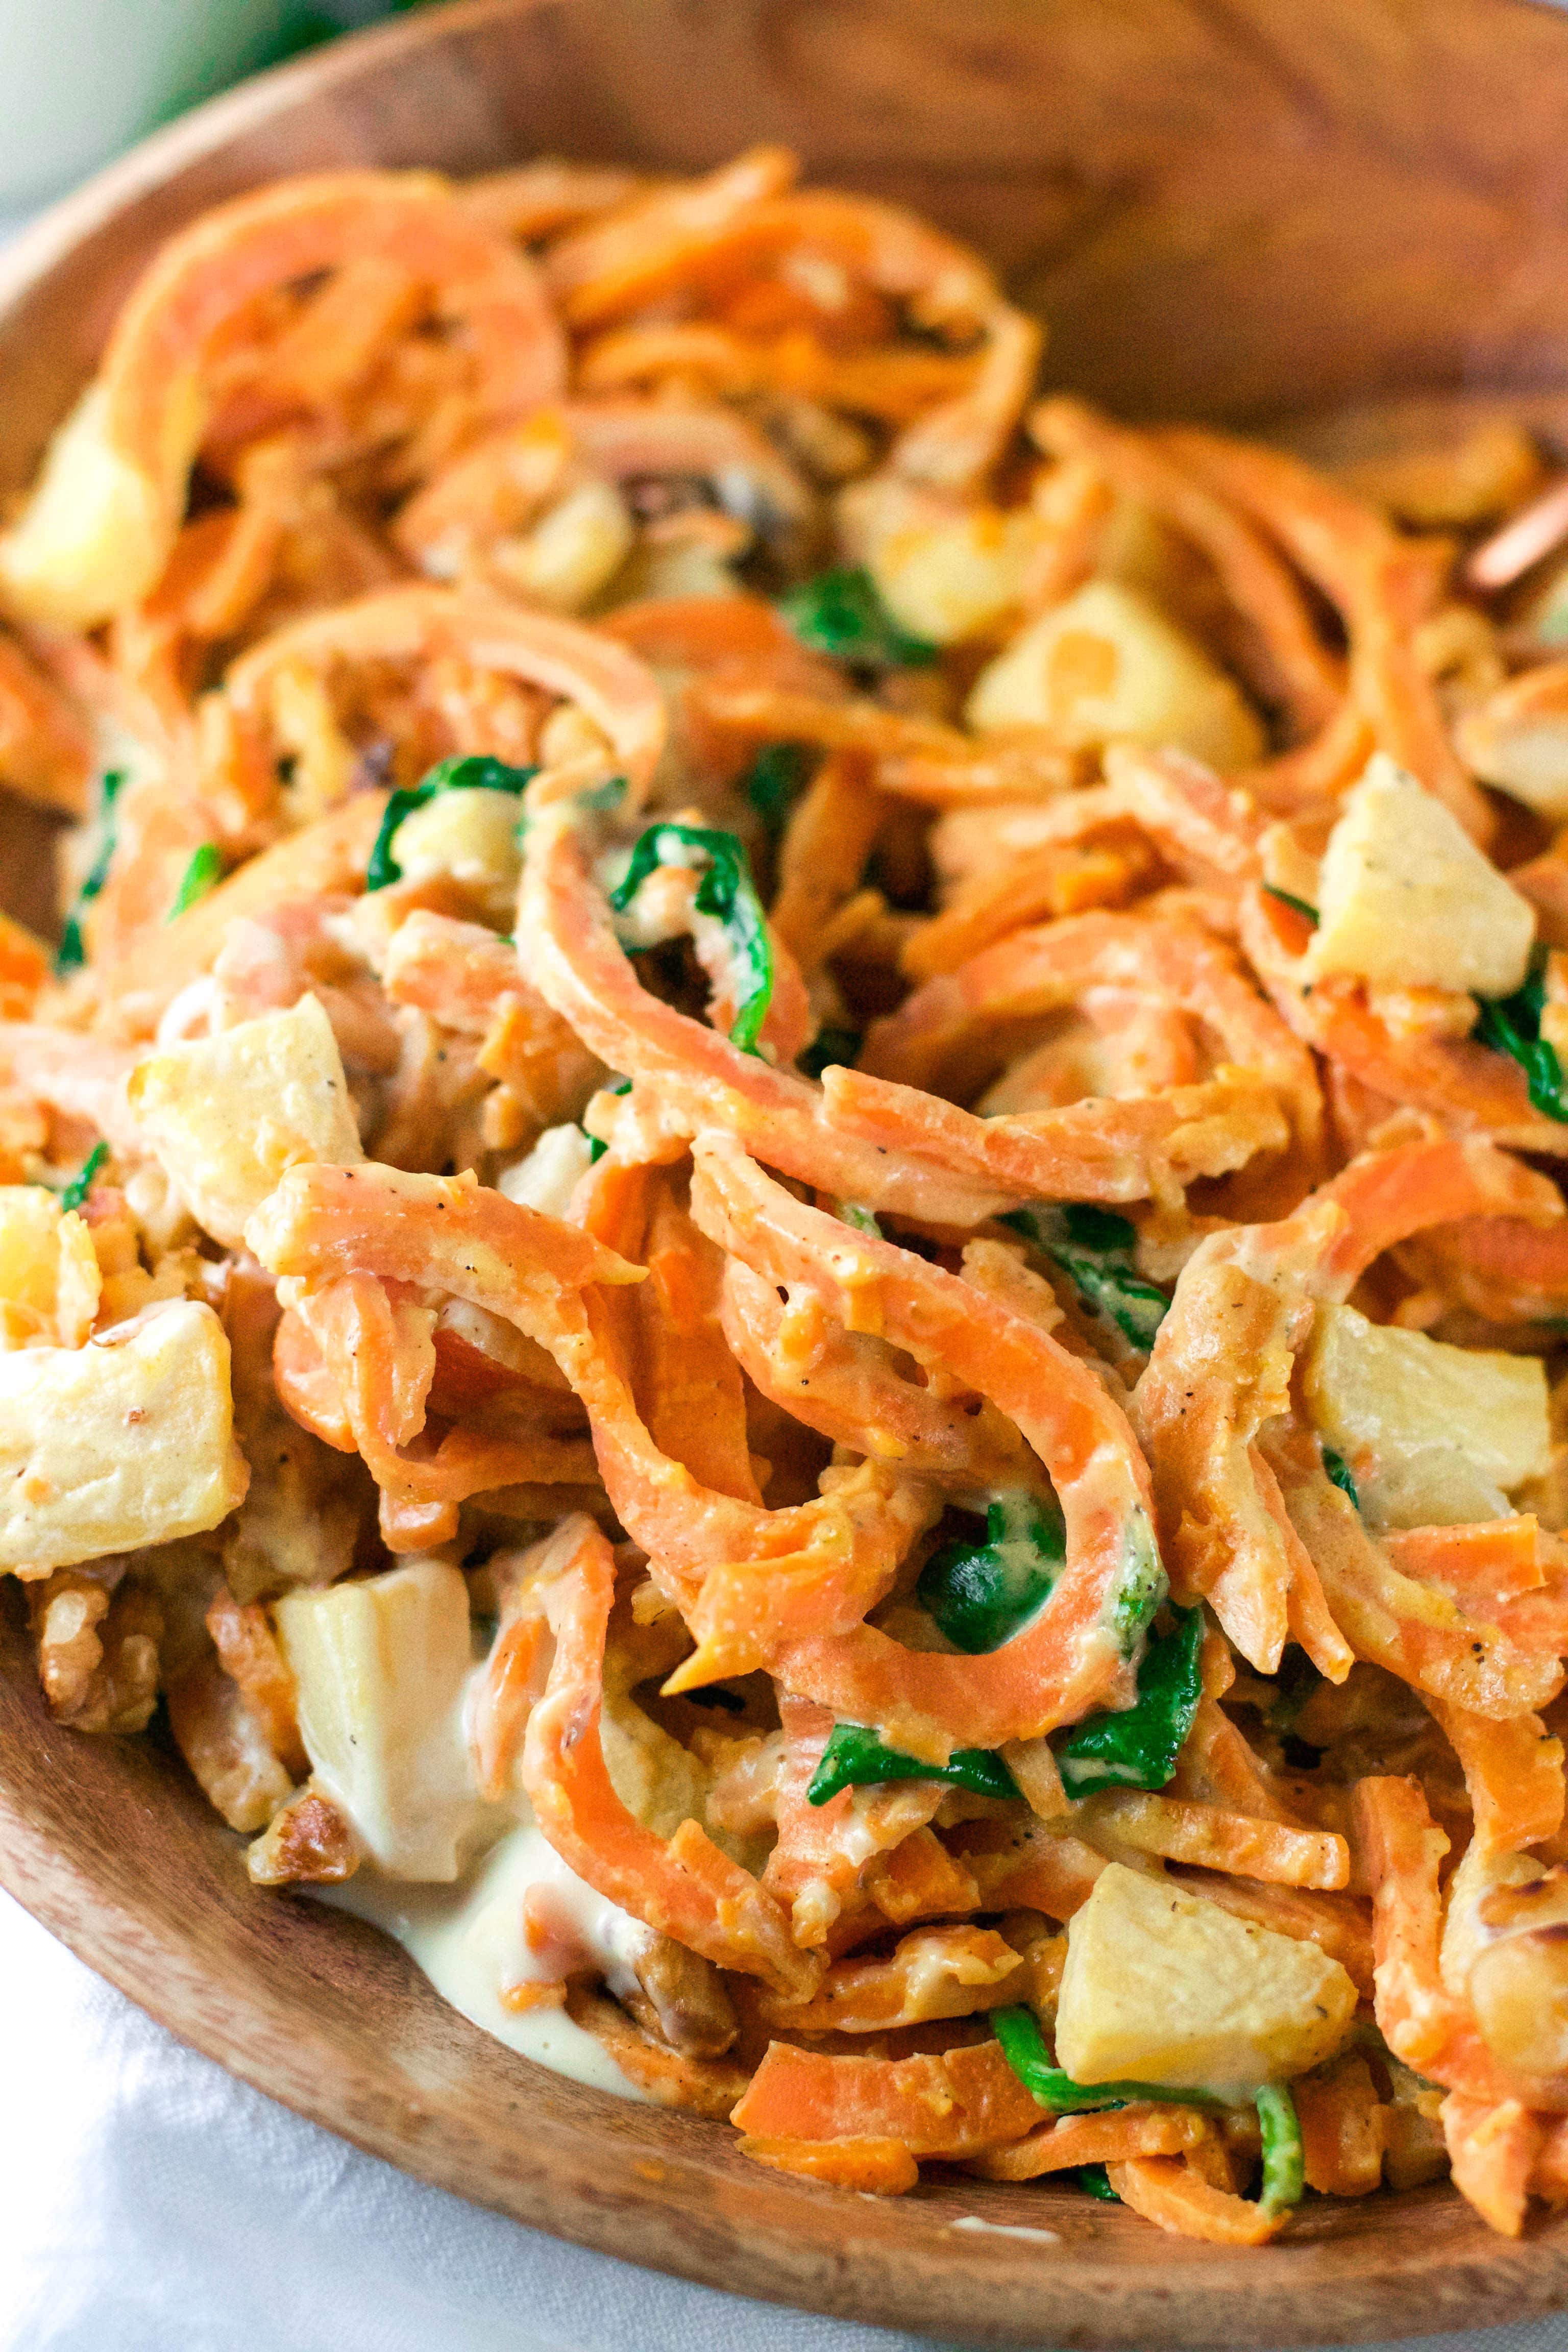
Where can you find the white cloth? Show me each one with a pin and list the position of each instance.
(148, 2203)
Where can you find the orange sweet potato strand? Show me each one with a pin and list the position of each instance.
(23, 968)
(641, 252)
(685, 1888)
(1141, 1148)
(921, 1880)
(46, 751)
(514, 1680)
(828, 1559)
(1167, 2190)
(935, 1972)
(824, 1851)
(1029, 1866)
(1214, 1839)
(951, 2104)
(830, 835)
(845, 1385)
(1382, 584)
(877, 2168)
(1399, 1848)
(1513, 1771)
(690, 1078)
(696, 1409)
(1480, 1567)
(1502, 1268)
(1060, 1664)
(1070, 2140)
(149, 970)
(367, 1355)
(1493, 2151)
(1057, 879)
(1307, 1611)
(946, 1025)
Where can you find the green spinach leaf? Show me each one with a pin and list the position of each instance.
(856, 1755)
(841, 613)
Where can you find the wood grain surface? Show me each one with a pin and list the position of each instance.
(1247, 210)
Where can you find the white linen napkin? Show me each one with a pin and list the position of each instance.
(149, 2203)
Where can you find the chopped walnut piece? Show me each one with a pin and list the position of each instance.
(224, 1739)
(708, 2086)
(682, 1999)
(308, 1841)
(98, 1635)
(248, 1652)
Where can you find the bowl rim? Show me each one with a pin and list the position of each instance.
(142, 168)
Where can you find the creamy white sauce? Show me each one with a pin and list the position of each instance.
(193, 1012)
(470, 1880)
(468, 1940)
(1005, 2230)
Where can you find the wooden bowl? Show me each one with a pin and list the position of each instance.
(1236, 212)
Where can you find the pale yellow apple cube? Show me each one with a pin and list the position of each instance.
(1518, 738)
(226, 1114)
(126, 1442)
(1435, 1435)
(382, 1665)
(93, 536)
(547, 1177)
(1405, 899)
(955, 579)
(574, 550)
(1164, 1987)
(1108, 667)
(469, 838)
(49, 1278)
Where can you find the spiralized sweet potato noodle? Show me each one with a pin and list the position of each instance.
(937, 1127)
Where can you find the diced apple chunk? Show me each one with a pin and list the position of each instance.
(92, 537)
(574, 550)
(547, 1177)
(1164, 1987)
(226, 1114)
(108, 1447)
(1107, 667)
(381, 1664)
(1435, 1435)
(469, 838)
(49, 1278)
(1405, 899)
(955, 579)
(1519, 739)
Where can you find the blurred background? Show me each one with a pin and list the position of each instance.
(86, 78)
